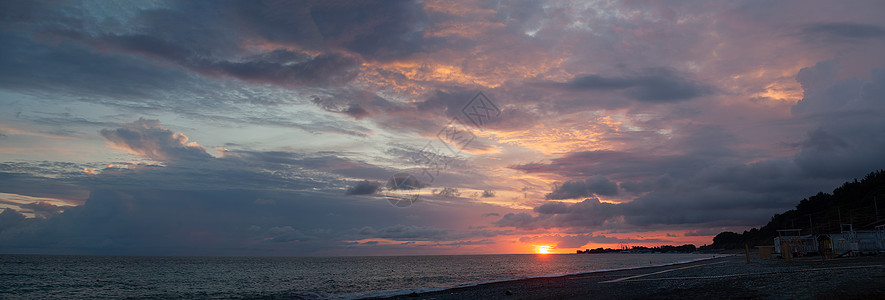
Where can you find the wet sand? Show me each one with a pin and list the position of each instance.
(719, 278)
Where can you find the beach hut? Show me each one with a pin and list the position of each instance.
(791, 241)
(880, 237)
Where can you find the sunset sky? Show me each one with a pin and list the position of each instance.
(282, 128)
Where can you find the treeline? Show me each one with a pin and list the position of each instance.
(687, 248)
(853, 203)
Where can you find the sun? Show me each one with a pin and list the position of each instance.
(543, 250)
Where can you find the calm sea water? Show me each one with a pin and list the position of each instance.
(49, 276)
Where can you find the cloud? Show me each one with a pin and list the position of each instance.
(647, 185)
(448, 192)
(845, 139)
(42, 209)
(17, 179)
(597, 185)
(656, 86)
(354, 110)
(326, 161)
(401, 232)
(823, 91)
(217, 222)
(316, 71)
(10, 218)
(281, 67)
(30, 66)
(707, 187)
(589, 213)
(248, 202)
(598, 162)
(578, 87)
(287, 234)
(841, 31)
(364, 187)
(467, 243)
(148, 138)
(376, 31)
(205, 42)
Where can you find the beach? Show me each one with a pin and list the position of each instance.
(728, 277)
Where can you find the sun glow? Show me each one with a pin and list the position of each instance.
(543, 250)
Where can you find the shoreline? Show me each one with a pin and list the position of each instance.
(721, 277)
(406, 292)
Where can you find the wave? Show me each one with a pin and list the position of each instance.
(403, 292)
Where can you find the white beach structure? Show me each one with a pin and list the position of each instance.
(848, 242)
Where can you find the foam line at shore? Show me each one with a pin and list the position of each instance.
(403, 292)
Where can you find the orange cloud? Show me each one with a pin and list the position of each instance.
(569, 136)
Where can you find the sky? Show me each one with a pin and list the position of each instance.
(317, 128)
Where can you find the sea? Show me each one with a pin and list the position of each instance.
(72, 276)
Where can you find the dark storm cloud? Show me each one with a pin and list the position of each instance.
(29, 66)
(231, 205)
(646, 185)
(148, 138)
(364, 187)
(379, 30)
(187, 161)
(589, 213)
(286, 234)
(302, 44)
(10, 218)
(708, 206)
(846, 139)
(330, 162)
(157, 221)
(322, 70)
(43, 210)
(375, 30)
(354, 110)
(706, 185)
(824, 93)
(656, 86)
(13, 180)
(129, 83)
(220, 222)
(56, 169)
(691, 147)
(446, 103)
(401, 232)
(601, 162)
(67, 119)
(841, 31)
(280, 67)
(597, 185)
(455, 103)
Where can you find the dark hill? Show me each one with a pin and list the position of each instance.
(853, 203)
